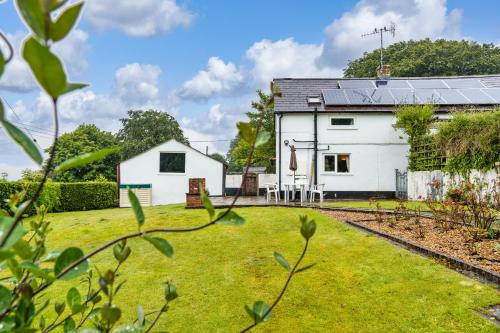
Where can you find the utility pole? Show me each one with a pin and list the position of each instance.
(381, 31)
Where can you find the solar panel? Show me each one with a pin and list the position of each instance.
(380, 96)
(358, 96)
(403, 96)
(428, 96)
(477, 96)
(491, 82)
(463, 83)
(494, 93)
(452, 96)
(427, 83)
(392, 84)
(334, 97)
(353, 84)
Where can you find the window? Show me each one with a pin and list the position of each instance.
(342, 121)
(173, 162)
(342, 163)
(330, 163)
(337, 163)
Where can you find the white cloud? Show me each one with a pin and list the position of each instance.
(137, 84)
(218, 78)
(218, 123)
(72, 51)
(137, 18)
(414, 19)
(285, 58)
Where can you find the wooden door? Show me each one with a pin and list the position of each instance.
(251, 186)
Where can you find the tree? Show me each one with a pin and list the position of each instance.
(218, 157)
(143, 130)
(430, 58)
(85, 138)
(264, 154)
(29, 175)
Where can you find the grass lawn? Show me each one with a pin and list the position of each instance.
(360, 283)
(385, 204)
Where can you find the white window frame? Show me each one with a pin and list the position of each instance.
(172, 173)
(336, 172)
(342, 127)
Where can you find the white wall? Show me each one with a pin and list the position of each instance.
(170, 188)
(234, 180)
(419, 182)
(376, 149)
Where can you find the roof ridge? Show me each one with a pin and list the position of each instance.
(392, 78)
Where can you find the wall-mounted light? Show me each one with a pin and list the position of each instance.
(286, 142)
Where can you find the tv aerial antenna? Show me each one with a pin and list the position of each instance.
(381, 31)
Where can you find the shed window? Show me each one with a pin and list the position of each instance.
(342, 121)
(173, 162)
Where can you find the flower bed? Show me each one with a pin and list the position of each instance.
(425, 232)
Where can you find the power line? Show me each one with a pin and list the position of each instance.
(29, 133)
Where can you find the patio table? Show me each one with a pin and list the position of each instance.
(291, 187)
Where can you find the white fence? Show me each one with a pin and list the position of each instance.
(234, 180)
(420, 182)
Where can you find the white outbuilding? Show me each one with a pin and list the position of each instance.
(161, 174)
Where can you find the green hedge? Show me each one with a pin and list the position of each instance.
(63, 197)
(87, 195)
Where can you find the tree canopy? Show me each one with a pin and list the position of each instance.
(143, 130)
(86, 138)
(239, 149)
(430, 58)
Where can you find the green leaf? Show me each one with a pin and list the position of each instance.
(231, 218)
(282, 261)
(66, 258)
(170, 292)
(64, 22)
(69, 325)
(308, 229)
(37, 271)
(207, 202)
(73, 86)
(74, 300)
(15, 236)
(46, 67)
(5, 298)
(121, 253)
(258, 311)
(55, 4)
(125, 329)
(59, 307)
(85, 159)
(304, 268)
(33, 15)
(110, 314)
(246, 132)
(262, 138)
(2, 63)
(24, 141)
(140, 315)
(161, 245)
(136, 207)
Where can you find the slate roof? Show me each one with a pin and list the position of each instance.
(294, 93)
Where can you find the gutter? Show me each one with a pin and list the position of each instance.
(279, 151)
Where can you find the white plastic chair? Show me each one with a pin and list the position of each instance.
(301, 185)
(272, 189)
(317, 189)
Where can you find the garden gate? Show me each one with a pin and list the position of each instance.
(401, 184)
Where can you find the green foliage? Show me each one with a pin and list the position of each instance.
(259, 311)
(430, 58)
(282, 261)
(65, 259)
(79, 155)
(218, 157)
(230, 218)
(28, 175)
(415, 119)
(143, 130)
(471, 140)
(49, 197)
(265, 149)
(136, 207)
(87, 196)
(161, 245)
(65, 21)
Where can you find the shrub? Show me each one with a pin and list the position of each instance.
(87, 195)
(49, 197)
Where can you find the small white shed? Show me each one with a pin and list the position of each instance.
(167, 169)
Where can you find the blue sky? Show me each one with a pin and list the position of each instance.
(201, 61)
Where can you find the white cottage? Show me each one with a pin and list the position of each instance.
(343, 129)
(166, 169)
